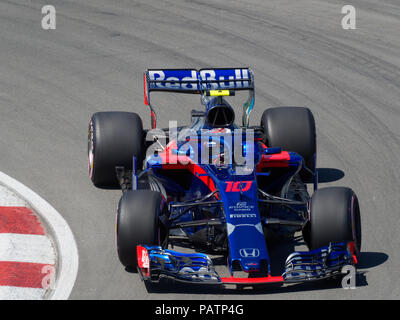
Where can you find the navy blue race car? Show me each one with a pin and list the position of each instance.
(220, 188)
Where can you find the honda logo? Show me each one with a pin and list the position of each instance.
(249, 252)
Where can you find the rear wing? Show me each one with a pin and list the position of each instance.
(223, 81)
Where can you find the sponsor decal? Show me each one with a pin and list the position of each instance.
(242, 210)
(238, 186)
(243, 215)
(249, 252)
(191, 79)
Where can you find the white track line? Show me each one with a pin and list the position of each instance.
(26, 248)
(16, 293)
(67, 251)
(9, 199)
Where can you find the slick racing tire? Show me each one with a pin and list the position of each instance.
(113, 139)
(334, 217)
(137, 223)
(293, 129)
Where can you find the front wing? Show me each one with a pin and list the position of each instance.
(325, 262)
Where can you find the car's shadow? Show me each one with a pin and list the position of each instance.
(326, 175)
(369, 260)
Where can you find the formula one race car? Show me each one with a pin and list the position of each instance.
(220, 188)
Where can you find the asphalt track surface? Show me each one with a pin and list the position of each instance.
(52, 81)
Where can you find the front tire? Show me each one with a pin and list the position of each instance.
(137, 223)
(334, 217)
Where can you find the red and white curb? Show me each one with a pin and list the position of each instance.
(38, 253)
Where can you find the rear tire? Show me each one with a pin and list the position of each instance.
(334, 217)
(114, 138)
(293, 129)
(137, 223)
